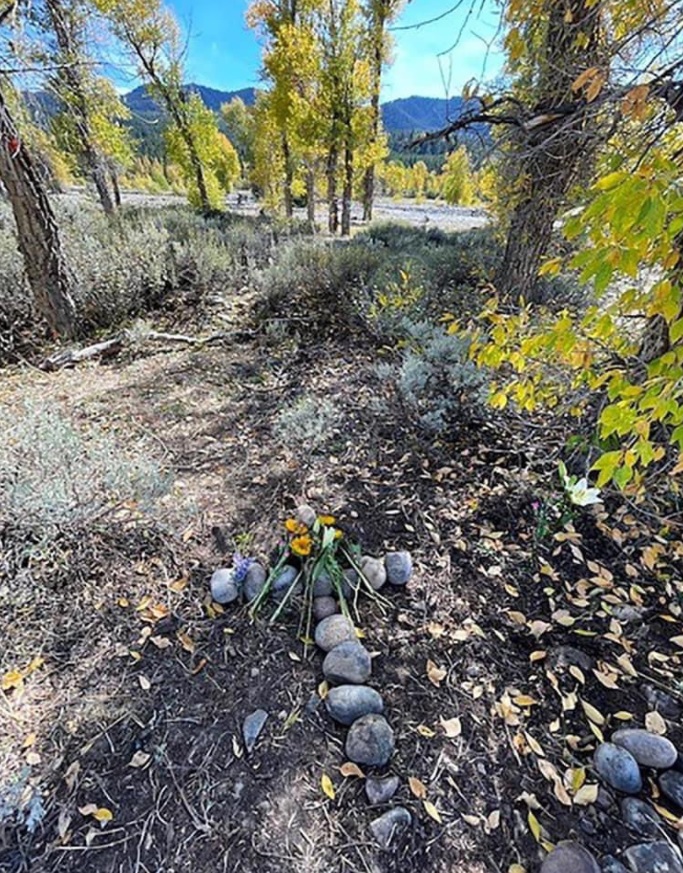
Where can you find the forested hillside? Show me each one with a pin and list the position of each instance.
(341, 439)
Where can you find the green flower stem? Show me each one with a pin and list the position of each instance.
(284, 600)
(268, 584)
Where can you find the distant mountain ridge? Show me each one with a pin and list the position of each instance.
(406, 113)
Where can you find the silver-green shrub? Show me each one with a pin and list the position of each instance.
(54, 478)
(308, 424)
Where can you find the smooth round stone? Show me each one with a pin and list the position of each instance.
(374, 571)
(640, 817)
(324, 607)
(389, 826)
(659, 857)
(664, 703)
(254, 581)
(570, 857)
(618, 768)
(333, 630)
(349, 583)
(649, 750)
(347, 663)
(322, 587)
(399, 566)
(671, 784)
(346, 703)
(370, 741)
(306, 515)
(380, 790)
(224, 588)
(284, 581)
(609, 864)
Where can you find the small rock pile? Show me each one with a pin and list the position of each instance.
(619, 764)
(346, 666)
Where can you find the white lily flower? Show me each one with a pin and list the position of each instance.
(580, 494)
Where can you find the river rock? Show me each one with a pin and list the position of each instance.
(252, 727)
(380, 790)
(618, 768)
(346, 703)
(399, 566)
(640, 817)
(374, 571)
(333, 630)
(671, 784)
(324, 607)
(570, 857)
(254, 581)
(659, 857)
(649, 750)
(224, 587)
(390, 825)
(663, 702)
(349, 583)
(370, 741)
(569, 656)
(609, 864)
(284, 581)
(347, 663)
(627, 613)
(322, 587)
(306, 515)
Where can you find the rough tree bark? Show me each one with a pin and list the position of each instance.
(73, 94)
(332, 203)
(551, 159)
(347, 197)
(38, 235)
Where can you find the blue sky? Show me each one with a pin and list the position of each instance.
(224, 54)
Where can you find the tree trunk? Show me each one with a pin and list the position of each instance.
(348, 191)
(553, 157)
(115, 187)
(74, 100)
(39, 240)
(369, 179)
(289, 177)
(310, 198)
(332, 204)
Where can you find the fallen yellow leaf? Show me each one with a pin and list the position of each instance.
(432, 811)
(327, 786)
(419, 789)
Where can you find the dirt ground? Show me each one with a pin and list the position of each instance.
(139, 667)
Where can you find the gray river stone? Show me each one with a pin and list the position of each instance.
(322, 587)
(570, 857)
(254, 581)
(224, 588)
(618, 768)
(346, 703)
(380, 790)
(399, 567)
(609, 864)
(333, 630)
(671, 784)
(347, 663)
(284, 581)
(252, 727)
(370, 741)
(306, 514)
(374, 571)
(649, 750)
(389, 826)
(659, 857)
(323, 607)
(640, 817)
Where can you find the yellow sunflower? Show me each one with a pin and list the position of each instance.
(302, 545)
(327, 520)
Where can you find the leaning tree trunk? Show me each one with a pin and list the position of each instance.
(39, 240)
(74, 99)
(348, 191)
(553, 156)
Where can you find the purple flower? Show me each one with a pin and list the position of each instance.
(241, 566)
(535, 506)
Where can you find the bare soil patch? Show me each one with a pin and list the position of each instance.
(136, 660)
